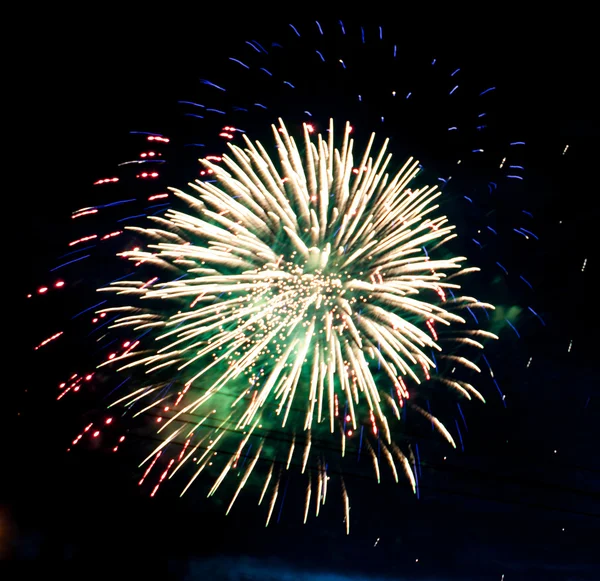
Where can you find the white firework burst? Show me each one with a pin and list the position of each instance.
(308, 291)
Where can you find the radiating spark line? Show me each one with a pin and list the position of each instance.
(307, 500)
(266, 485)
(346, 507)
(273, 500)
(245, 477)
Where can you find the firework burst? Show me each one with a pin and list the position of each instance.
(301, 278)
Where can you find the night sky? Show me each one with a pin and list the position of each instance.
(521, 501)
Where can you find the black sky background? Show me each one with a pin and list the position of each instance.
(508, 505)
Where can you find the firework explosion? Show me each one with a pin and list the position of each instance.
(302, 278)
(290, 312)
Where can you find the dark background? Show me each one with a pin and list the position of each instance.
(508, 505)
